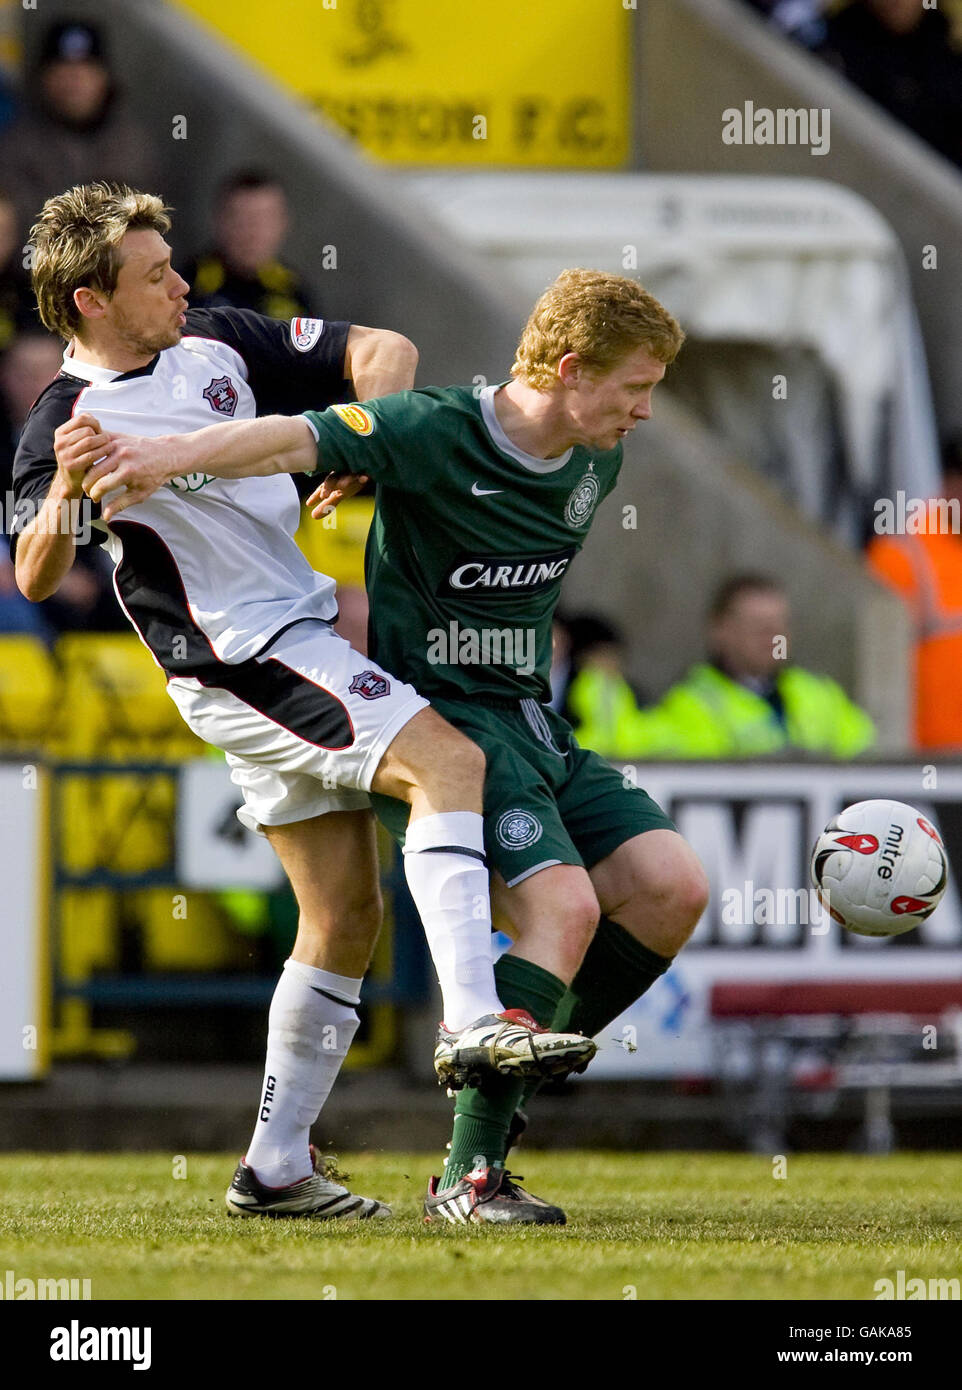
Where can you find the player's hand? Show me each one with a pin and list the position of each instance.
(334, 489)
(78, 444)
(131, 470)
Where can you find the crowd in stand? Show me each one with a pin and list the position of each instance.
(71, 124)
(904, 54)
(744, 699)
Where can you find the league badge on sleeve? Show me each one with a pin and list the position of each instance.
(305, 333)
(356, 418)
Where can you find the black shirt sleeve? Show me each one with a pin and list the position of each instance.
(34, 464)
(292, 364)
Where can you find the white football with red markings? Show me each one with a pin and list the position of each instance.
(880, 868)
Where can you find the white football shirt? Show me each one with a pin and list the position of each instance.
(207, 569)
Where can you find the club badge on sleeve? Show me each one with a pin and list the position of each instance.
(221, 395)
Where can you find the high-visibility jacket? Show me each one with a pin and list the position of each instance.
(709, 715)
(926, 571)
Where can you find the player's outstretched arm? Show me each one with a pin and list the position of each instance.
(45, 546)
(379, 361)
(242, 449)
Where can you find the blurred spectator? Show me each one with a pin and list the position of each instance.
(925, 570)
(746, 700)
(76, 127)
(900, 53)
(802, 20)
(85, 600)
(8, 100)
(242, 269)
(17, 615)
(600, 701)
(30, 363)
(16, 297)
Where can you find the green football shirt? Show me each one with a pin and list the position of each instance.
(471, 537)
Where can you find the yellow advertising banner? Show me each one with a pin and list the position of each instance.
(495, 82)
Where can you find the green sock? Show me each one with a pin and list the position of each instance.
(617, 970)
(482, 1114)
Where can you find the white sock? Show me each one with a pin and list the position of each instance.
(308, 1035)
(449, 884)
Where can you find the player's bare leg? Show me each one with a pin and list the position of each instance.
(331, 862)
(551, 917)
(655, 888)
(440, 774)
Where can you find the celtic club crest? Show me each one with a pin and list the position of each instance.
(582, 502)
(518, 829)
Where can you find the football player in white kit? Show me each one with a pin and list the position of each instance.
(209, 575)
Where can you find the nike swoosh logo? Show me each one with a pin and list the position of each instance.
(485, 491)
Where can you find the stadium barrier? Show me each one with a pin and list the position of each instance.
(784, 1044)
(130, 885)
(753, 826)
(115, 867)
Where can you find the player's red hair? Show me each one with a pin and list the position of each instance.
(600, 316)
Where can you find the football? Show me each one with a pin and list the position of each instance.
(880, 868)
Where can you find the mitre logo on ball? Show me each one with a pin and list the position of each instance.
(882, 866)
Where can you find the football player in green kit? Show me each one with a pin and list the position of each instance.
(483, 501)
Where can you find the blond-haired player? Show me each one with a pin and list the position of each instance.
(483, 502)
(209, 575)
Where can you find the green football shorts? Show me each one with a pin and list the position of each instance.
(546, 800)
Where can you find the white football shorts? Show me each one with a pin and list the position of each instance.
(304, 724)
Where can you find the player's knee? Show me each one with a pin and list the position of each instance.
(365, 909)
(680, 887)
(457, 765)
(467, 757)
(578, 920)
(355, 915)
(670, 890)
(679, 879)
(690, 900)
(435, 757)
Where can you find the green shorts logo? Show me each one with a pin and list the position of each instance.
(518, 830)
(583, 500)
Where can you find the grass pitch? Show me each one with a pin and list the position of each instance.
(652, 1226)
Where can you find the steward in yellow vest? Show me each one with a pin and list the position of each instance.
(745, 702)
(710, 715)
